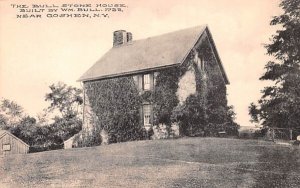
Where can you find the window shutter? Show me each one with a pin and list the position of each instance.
(136, 81)
(151, 112)
(151, 81)
(141, 116)
(140, 80)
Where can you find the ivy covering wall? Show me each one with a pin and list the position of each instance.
(204, 113)
(191, 116)
(116, 103)
(165, 99)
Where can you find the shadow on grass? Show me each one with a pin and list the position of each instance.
(276, 167)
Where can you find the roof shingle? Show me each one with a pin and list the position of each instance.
(147, 54)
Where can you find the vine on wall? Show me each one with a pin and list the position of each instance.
(116, 104)
(165, 95)
(206, 112)
(147, 96)
(191, 116)
(220, 115)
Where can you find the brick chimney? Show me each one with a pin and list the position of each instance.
(129, 36)
(121, 37)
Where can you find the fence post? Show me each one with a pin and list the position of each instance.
(291, 134)
(273, 135)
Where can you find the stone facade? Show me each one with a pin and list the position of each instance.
(187, 85)
(201, 72)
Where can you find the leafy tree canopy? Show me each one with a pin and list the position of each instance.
(10, 112)
(66, 99)
(279, 105)
(39, 133)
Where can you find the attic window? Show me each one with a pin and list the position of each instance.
(201, 64)
(6, 147)
(146, 82)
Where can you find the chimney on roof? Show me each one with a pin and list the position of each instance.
(121, 37)
(129, 36)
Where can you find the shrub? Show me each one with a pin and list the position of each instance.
(160, 132)
(40, 148)
(296, 143)
(174, 131)
(87, 139)
(191, 116)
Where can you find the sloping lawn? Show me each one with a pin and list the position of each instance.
(186, 162)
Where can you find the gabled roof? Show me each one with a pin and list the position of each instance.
(152, 53)
(4, 132)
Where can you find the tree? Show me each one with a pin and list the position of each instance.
(231, 127)
(26, 130)
(66, 99)
(42, 135)
(10, 113)
(279, 105)
(13, 119)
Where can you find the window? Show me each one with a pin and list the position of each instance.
(147, 114)
(201, 64)
(146, 82)
(6, 147)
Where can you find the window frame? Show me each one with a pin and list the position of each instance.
(146, 77)
(147, 109)
(6, 147)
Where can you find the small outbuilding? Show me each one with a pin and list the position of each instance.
(10, 144)
(72, 142)
(68, 144)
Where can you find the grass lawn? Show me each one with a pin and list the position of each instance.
(186, 162)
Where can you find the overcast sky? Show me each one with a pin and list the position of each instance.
(35, 53)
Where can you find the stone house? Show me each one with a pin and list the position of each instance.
(143, 60)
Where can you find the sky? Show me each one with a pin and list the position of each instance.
(36, 52)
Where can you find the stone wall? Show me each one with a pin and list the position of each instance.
(186, 85)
